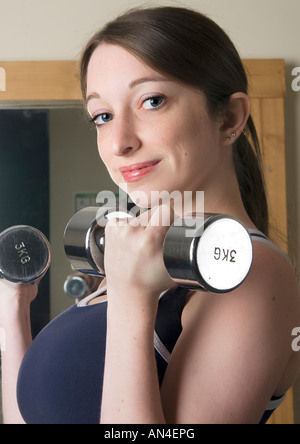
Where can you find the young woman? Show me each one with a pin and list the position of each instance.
(167, 92)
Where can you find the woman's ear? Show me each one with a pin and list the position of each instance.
(235, 118)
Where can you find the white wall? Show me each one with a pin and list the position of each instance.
(57, 30)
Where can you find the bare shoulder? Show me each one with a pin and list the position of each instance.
(271, 288)
(236, 346)
(273, 276)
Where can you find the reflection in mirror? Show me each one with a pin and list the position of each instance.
(47, 158)
(24, 183)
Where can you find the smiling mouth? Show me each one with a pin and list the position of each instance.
(133, 173)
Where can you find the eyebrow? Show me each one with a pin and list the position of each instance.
(92, 96)
(146, 80)
(131, 85)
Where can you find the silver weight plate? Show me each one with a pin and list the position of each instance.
(217, 257)
(84, 238)
(79, 243)
(224, 254)
(76, 287)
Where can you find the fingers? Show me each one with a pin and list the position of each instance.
(134, 251)
(160, 216)
(10, 290)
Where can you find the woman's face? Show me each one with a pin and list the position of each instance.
(153, 133)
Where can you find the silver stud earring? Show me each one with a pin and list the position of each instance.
(229, 137)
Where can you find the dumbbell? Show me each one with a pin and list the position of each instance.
(78, 285)
(216, 257)
(24, 254)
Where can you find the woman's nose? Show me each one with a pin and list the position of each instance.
(124, 137)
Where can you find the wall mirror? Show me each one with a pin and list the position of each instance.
(49, 163)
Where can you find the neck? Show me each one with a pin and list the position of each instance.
(222, 195)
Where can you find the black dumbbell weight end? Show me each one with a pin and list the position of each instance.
(24, 254)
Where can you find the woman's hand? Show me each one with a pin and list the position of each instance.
(15, 297)
(134, 254)
(15, 300)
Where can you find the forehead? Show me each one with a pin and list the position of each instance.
(109, 62)
(113, 72)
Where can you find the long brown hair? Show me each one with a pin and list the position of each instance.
(191, 48)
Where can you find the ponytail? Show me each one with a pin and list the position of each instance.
(248, 168)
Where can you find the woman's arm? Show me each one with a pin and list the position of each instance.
(15, 303)
(235, 350)
(233, 354)
(135, 278)
(131, 390)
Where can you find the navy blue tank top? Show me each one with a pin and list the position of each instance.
(61, 376)
(60, 379)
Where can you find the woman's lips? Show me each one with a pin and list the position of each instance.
(133, 173)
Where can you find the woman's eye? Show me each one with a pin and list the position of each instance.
(101, 119)
(153, 102)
